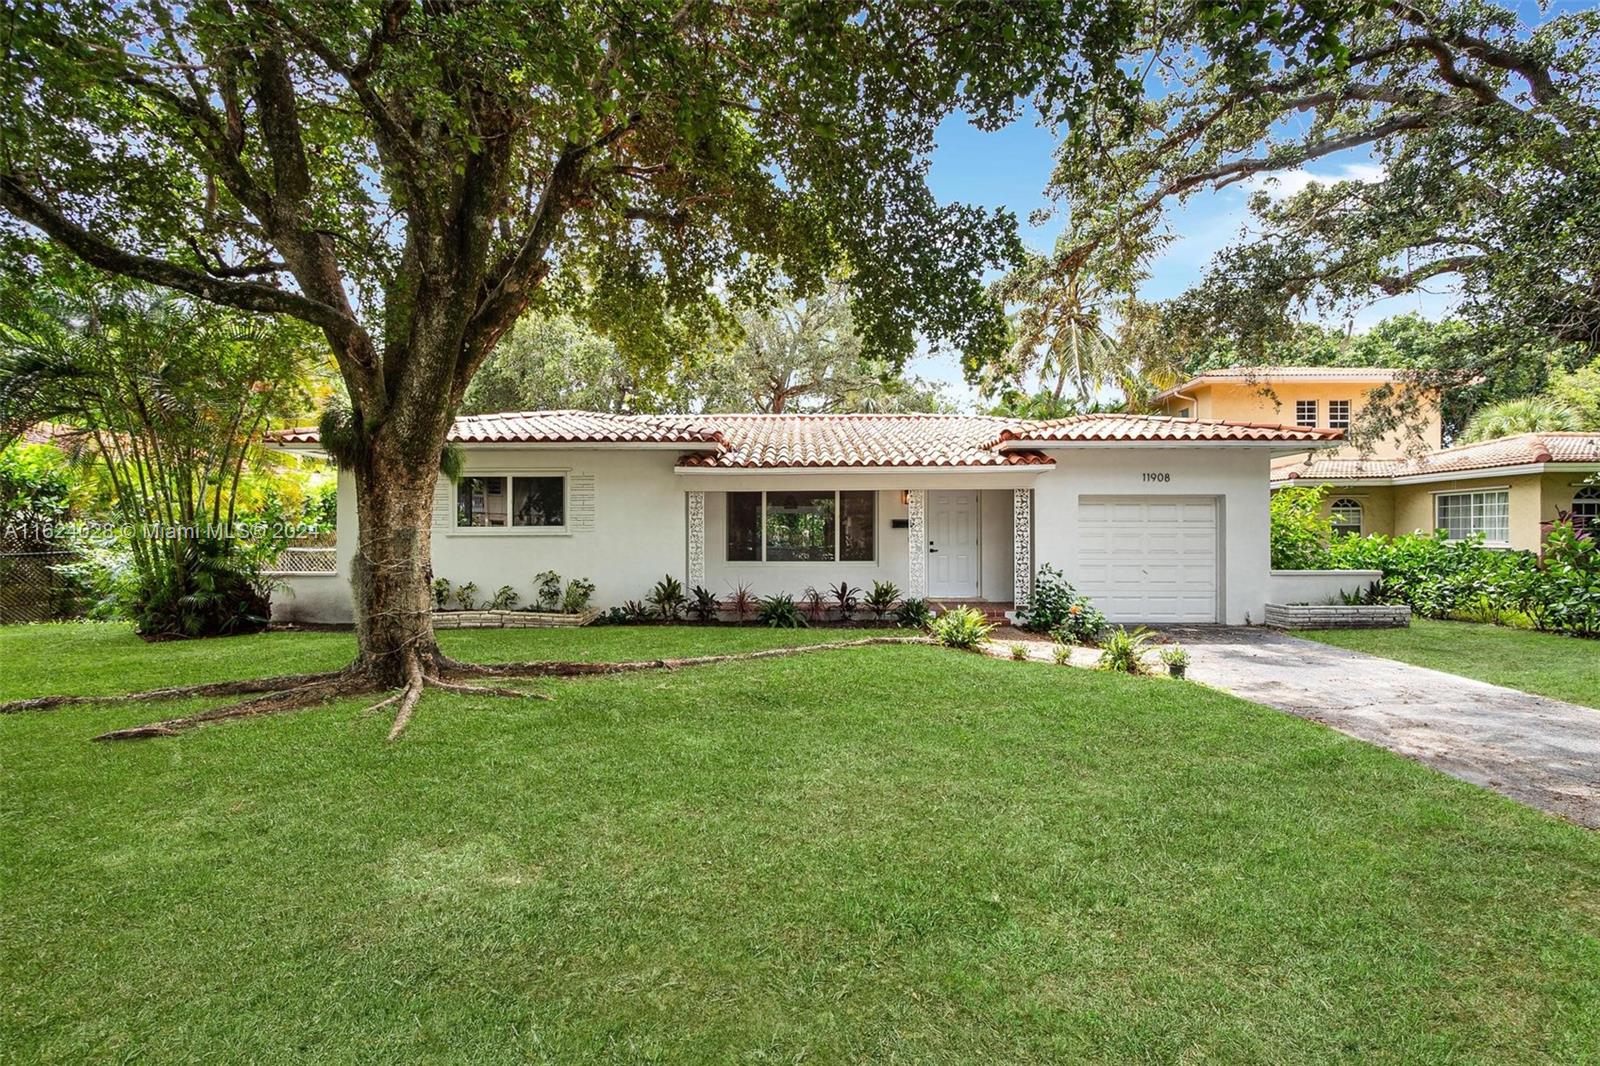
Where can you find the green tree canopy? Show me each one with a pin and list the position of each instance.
(410, 178)
(1485, 129)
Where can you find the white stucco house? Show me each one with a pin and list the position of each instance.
(1157, 519)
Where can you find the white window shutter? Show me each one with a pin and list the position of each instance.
(441, 503)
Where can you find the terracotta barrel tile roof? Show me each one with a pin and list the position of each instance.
(1523, 449)
(860, 440)
(1158, 428)
(757, 441)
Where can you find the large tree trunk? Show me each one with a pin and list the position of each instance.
(390, 573)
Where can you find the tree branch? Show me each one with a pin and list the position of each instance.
(97, 251)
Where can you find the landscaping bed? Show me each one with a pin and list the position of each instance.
(1337, 616)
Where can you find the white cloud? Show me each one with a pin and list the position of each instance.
(1285, 183)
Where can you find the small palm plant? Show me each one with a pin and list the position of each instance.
(667, 598)
(1123, 650)
(961, 627)
(814, 602)
(881, 600)
(741, 602)
(846, 598)
(703, 604)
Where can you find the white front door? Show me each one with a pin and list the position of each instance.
(953, 543)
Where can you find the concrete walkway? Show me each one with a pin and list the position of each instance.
(1538, 751)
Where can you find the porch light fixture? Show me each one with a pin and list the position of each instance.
(905, 497)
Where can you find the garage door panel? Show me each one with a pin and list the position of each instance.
(1148, 559)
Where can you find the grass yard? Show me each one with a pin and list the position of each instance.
(1546, 664)
(878, 853)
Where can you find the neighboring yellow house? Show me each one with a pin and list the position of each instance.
(1505, 489)
(1325, 397)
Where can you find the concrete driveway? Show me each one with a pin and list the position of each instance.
(1538, 751)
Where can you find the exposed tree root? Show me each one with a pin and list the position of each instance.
(292, 699)
(298, 692)
(408, 699)
(576, 669)
(246, 687)
(483, 690)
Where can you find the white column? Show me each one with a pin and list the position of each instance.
(917, 545)
(1022, 546)
(697, 539)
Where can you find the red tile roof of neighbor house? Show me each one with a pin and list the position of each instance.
(1266, 375)
(762, 441)
(1523, 449)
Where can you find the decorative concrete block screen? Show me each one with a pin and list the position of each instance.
(1336, 616)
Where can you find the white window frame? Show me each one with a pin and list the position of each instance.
(838, 529)
(1473, 497)
(1300, 407)
(1347, 504)
(509, 530)
(1339, 414)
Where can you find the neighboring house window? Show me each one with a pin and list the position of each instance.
(1464, 514)
(1586, 508)
(1305, 413)
(802, 527)
(500, 500)
(1338, 414)
(1183, 412)
(1346, 516)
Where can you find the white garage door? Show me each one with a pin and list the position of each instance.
(1148, 558)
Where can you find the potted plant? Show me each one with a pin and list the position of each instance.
(1176, 659)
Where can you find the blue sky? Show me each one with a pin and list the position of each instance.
(1010, 167)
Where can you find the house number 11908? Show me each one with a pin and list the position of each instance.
(1158, 476)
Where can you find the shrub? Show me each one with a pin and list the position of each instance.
(1123, 650)
(636, 611)
(1567, 594)
(1176, 660)
(220, 594)
(505, 598)
(441, 593)
(881, 600)
(1062, 654)
(1436, 576)
(742, 602)
(1057, 608)
(548, 589)
(847, 598)
(613, 616)
(703, 604)
(467, 595)
(575, 600)
(961, 627)
(1300, 531)
(913, 614)
(1019, 652)
(814, 602)
(667, 598)
(779, 612)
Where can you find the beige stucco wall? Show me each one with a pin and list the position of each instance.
(1377, 506)
(1274, 403)
(1556, 491)
(1414, 510)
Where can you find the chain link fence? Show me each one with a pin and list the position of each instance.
(32, 589)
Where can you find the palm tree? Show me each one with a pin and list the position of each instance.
(1530, 414)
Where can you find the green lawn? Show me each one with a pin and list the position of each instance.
(1563, 668)
(891, 852)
